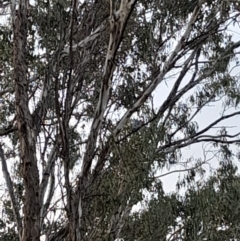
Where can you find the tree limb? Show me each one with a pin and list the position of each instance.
(10, 188)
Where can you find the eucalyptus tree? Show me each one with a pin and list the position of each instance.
(81, 134)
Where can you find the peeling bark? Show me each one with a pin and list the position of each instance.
(27, 136)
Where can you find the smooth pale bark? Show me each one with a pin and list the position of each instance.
(117, 22)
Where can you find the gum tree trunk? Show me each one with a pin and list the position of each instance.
(27, 136)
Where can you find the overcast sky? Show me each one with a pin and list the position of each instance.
(204, 118)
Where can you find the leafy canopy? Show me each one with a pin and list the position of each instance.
(97, 98)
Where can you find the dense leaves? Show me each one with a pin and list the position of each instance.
(209, 211)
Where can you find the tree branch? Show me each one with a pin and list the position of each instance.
(168, 65)
(10, 188)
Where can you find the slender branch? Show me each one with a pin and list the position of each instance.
(10, 188)
(46, 174)
(8, 130)
(216, 122)
(168, 65)
(45, 207)
(86, 41)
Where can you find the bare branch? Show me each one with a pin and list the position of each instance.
(45, 207)
(10, 188)
(46, 174)
(168, 65)
(11, 128)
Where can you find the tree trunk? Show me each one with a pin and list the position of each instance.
(27, 136)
